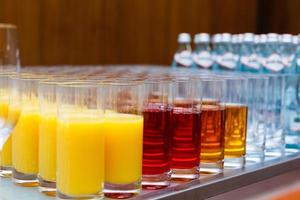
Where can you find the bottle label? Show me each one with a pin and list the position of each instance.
(227, 60)
(251, 61)
(287, 60)
(273, 63)
(183, 58)
(203, 59)
(298, 61)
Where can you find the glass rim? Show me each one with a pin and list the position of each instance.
(118, 82)
(77, 84)
(7, 26)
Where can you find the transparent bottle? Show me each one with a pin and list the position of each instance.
(216, 42)
(236, 45)
(183, 55)
(225, 55)
(249, 59)
(297, 56)
(272, 62)
(202, 55)
(287, 50)
(292, 111)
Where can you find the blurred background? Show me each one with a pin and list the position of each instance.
(133, 31)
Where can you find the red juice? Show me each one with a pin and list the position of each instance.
(184, 139)
(156, 140)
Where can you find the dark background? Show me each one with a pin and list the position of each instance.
(133, 31)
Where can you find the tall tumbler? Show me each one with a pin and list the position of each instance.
(184, 139)
(25, 134)
(123, 128)
(275, 141)
(212, 124)
(80, 141)
(9, 48)
(256, 133)
(47, 137)
(236, 110)
(292, 112)
(5, 128)
(157, 115)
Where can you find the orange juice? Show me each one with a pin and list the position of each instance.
(47, 148)
(13, 115)
(3, 112)
(123, 148)
(80, 158)
(6, 155)
(25, 143)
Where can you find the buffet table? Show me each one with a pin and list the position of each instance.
(207, 186)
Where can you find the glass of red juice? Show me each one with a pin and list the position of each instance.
(157, 110)
(184, 140)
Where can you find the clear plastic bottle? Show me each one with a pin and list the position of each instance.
(225, 55)
(202, 54)
(249, 59)
(272, 61)
(216, 42)
(297, 56)
(183, 55)
(287, 50)
(260, 48)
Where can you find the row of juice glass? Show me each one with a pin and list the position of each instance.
(268, 53)
(92, 131)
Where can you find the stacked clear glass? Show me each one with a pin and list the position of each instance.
(275, 141)
(257, 102)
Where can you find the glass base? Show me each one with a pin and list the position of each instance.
(62, 196)
(254, 157)
(5, 172)
(185, 174)
(234, 163)
(47, 187)
(25, 180)
(211, 167)
(157, 181)
(274, 153)
(122, 191)
(291, 151)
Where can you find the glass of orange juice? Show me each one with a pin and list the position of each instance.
(13, 112)
(25, 134)
(47, 137)
(123, 128)
(5, 138)
(80, 141)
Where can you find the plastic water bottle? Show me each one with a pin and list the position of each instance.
(216, 43)
(225, 56)
(292, 111)
(183, 55)
(249, 59)
(272, 62)
(237, 41)
(287, 50)
(202, 55)
(297, 55)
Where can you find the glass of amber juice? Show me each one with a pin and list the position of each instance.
(235, 121)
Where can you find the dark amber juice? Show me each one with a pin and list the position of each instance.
(235, 130)
(212, 133)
